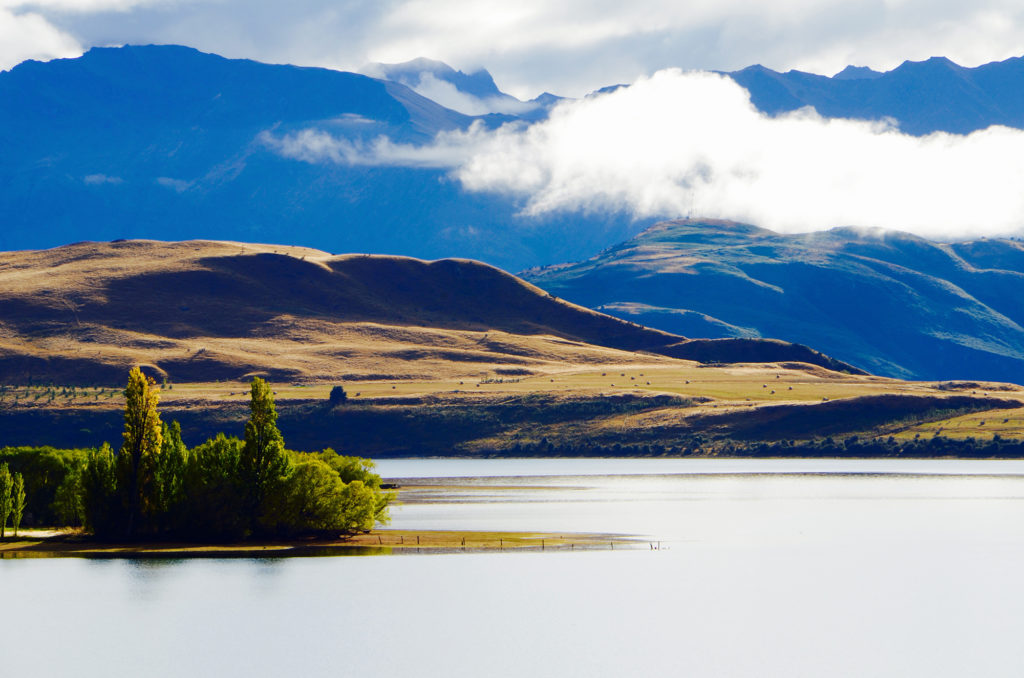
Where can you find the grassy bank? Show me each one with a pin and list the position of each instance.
(64, 544)
(500, 412)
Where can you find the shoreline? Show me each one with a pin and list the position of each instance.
(376, 542)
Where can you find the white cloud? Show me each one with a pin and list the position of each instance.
(679, 143)
(85, 6)
(568, 47)
(449, 96)
(27, 35)
(449, 150)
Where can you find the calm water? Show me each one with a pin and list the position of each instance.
(895, 568)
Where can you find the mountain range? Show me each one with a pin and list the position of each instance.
(169, 143)
(922, 97)
(889, 302)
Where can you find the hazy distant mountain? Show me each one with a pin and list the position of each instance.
(170, 143)
(888, 302)
(470, 93)
(924, 96)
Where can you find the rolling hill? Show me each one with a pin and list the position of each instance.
(888, 302)
(202, 311)
(437, 357)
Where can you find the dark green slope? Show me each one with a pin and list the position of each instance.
(888, 302)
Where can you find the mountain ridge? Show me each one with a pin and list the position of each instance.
(934, 95)
(893, 303)
(173, 143)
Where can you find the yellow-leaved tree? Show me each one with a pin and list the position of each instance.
(136, 463)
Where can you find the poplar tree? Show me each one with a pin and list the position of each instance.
(99, 492)
(169, 478)
(263, 464)
(17, 502)
(6, 498)
(136, 461)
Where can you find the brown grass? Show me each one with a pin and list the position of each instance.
(202, 310)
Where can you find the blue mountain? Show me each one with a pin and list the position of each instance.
(890, 303)
(169, 143)
(935, 95)
(478, 87)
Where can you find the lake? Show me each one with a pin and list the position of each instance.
(766, 568)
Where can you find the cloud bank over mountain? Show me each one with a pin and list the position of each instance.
(568, 47)
(680, 143)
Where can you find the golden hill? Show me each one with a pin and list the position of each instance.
(205, 311)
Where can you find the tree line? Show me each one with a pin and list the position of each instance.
(854, 446)
(225, 488)
(12, 499)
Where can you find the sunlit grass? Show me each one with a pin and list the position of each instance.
(979, 425)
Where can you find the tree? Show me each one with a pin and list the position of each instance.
(68, 504)
(263, 464)
(338, 396)
(315, 499)
(137, 460)
(99, 492)
(169, 478)
(6, 498)
(214, 499)
(17, 502)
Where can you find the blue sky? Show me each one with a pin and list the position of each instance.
(568, 47)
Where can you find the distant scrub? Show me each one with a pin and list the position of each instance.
(225, 488)
(849, 447)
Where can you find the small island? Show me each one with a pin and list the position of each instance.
(226, 490)
(228, 497)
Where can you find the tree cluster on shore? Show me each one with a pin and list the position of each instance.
(858, 447)
(225, 488)
(12, 499)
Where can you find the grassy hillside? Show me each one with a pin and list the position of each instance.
(888, 302)
(661, 407)
(437, 358)
(201, 311)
